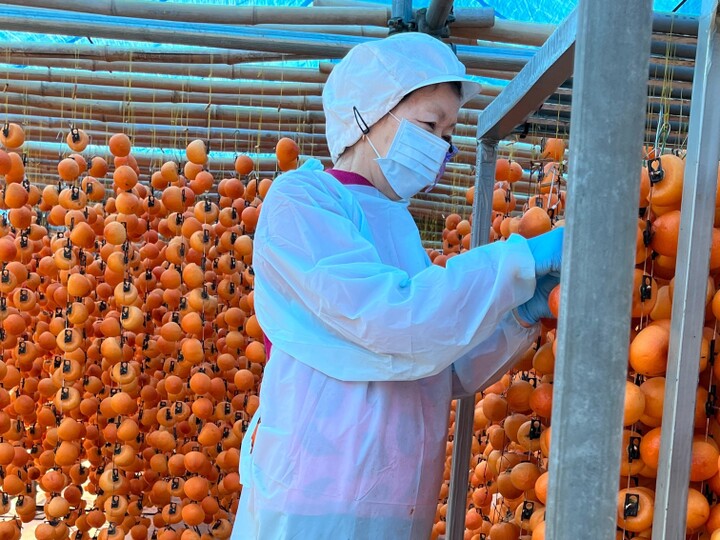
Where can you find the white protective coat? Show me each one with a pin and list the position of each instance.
(370, 344)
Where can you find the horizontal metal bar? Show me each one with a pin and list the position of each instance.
(550, 66)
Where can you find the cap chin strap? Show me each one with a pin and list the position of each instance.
(365, 133)
(365, 137)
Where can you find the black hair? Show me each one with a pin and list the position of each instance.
(455, 85)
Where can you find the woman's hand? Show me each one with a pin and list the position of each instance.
(537, 307)
(547, 251)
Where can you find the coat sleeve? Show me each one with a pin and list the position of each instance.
(486, 363)
(314, 255)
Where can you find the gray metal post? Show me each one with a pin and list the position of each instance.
(465, 407)
(606, 138)
(688, 310)
(402, 9)
(437, 13)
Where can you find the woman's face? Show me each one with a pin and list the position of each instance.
(433, 108)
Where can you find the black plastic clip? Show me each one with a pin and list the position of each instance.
(711, 401)
(535, 429)
(527, 510)
(655, 171)
(631, 506)
(633, 449)
(646, 288)
(712, 354)
(647, 234)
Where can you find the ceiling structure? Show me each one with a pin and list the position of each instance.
(243, 74)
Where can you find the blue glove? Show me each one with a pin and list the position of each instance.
(537, 307)
(547, 251)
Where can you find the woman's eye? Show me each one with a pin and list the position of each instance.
(431, 125)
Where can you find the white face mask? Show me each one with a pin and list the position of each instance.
(416, 159)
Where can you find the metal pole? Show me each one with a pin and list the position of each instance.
(606, 140)
(402, 9)
(688, 311)
(437, 14)
(465, 407)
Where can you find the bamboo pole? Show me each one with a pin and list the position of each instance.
(256, 73)
(343, 3)
(249, 143)
(209, 35)
(145, 156)
(108, 53)
(178, 33)
(179, 133)
(210, 112)
(42, 168)
(182, 110)
(198, 85)
(505, 31)
(17, 89)
(347, 30)
(178, 115)
(367, 14)
(214, 14)
(519, 150)
(485, 61)
(493, 74)
(14, 87)
(256, 121)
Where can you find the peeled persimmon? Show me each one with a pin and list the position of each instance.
(554, 149)
(665, 231)
(287, 150)
(196, 152)
(12, 135)
(634, 404)
(535, 221)
(243, 165)
(119, 145)
(704, 461)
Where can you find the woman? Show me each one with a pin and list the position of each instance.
(370, 342)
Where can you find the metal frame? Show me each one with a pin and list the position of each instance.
(535, 83)
(591, 362)
(465, 407)
(538, 80)
(688, 314)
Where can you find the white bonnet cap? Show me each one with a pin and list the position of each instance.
(374, 76)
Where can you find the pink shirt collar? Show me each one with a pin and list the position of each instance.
(348, 178)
